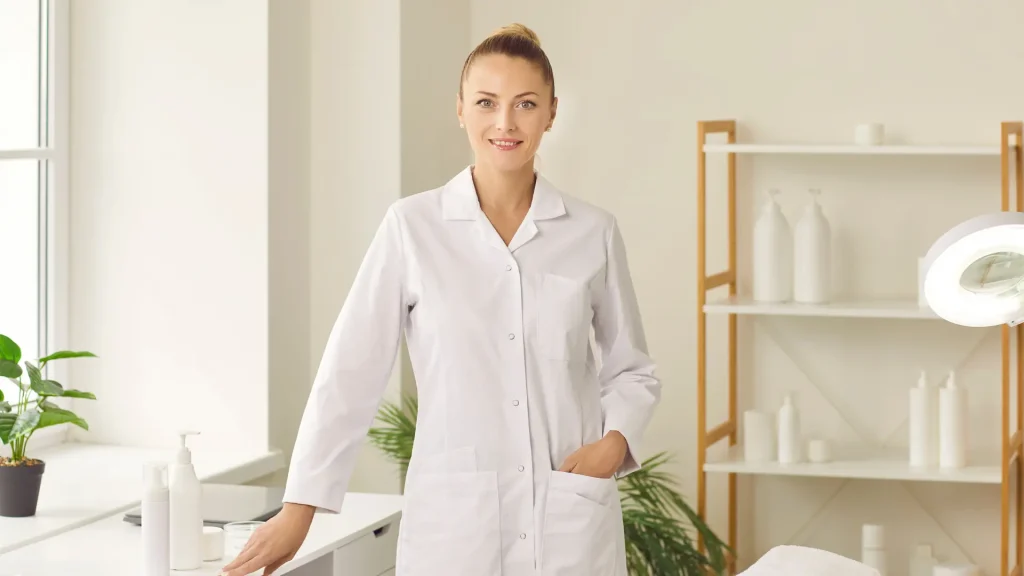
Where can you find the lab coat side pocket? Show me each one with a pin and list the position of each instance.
(579, 536)
(563, 318)
(450, 525)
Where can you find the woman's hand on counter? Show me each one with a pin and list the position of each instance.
(274, 543)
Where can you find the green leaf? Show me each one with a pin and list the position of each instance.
(56, 415)
(40, 386)
(5, 407)
(78, 394)
(9, 350)
(48, 388)
(9, 369)
(6, 424)
(64, 354)
(26, 423)
(1, 395)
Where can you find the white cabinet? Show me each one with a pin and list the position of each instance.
(372, 554)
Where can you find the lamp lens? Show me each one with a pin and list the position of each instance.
(999, 273)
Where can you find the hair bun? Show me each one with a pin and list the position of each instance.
(517, 29)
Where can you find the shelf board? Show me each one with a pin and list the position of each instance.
(855, 463)
(867, 308)
(854, 149)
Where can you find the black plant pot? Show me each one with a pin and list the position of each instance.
(19, 488)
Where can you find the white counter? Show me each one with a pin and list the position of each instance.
(86, 482)
(360, 541)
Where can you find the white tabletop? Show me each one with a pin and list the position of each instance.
(85, 482)
(112, 547)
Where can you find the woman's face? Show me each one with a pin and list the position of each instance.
(505, 108)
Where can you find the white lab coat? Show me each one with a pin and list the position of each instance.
(499, 339)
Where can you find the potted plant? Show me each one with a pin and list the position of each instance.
(33, 409)
(660, 527)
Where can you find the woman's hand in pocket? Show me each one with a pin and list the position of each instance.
(600, 459)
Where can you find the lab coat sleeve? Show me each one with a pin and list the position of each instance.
(630, 390)
(353, 374)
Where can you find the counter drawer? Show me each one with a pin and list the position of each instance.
(370, 555)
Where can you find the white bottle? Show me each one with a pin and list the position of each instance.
(186, 498)
(952, 424)
(873, 547)
(156, 539)
(773, 254)
(789, 433)
(812, 255)
(924, 443)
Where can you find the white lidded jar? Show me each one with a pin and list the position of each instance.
(812, 255)
(773, 254)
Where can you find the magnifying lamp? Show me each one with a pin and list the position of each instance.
(974, 273)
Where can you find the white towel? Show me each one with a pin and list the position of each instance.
(802, 561)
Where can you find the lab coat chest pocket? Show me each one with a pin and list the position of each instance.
(563, 318)
(451, 525)
(579, 535)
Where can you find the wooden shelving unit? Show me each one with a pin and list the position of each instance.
(864, 465)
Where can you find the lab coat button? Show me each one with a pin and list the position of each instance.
(522, 536)
(521, 467)
(508, 267)
(515, 402)
(511, 336)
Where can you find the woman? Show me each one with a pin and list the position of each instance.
(496, 279)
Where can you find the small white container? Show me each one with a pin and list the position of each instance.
(789, 433)
(869, 134)
(773, 254)
(156, 521)
(812, 255)
(873, 551)
(952, 425)
(924, 445)
(819, 451)
(758, 436)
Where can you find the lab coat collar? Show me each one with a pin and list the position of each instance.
(459, 200)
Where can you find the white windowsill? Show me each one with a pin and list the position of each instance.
(84, 483)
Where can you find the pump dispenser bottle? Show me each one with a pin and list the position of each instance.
(186, 511)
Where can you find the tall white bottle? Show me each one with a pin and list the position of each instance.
(812, 255)
(952, 424)
(156, 528)
(773, 254)
(789, 433)
(186, 498)
(924, 442)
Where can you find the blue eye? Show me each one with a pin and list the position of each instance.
(528, 104)
(483, 101)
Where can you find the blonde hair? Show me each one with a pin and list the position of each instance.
(514, 41)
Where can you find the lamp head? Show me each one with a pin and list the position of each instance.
(974, 273)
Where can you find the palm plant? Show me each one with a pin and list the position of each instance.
(660, 527)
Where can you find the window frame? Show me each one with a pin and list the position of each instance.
(53, 243)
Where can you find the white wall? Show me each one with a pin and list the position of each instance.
(290, 174)
(635, 80)
(169, 234)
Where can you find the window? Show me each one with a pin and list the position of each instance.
(33, 159)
